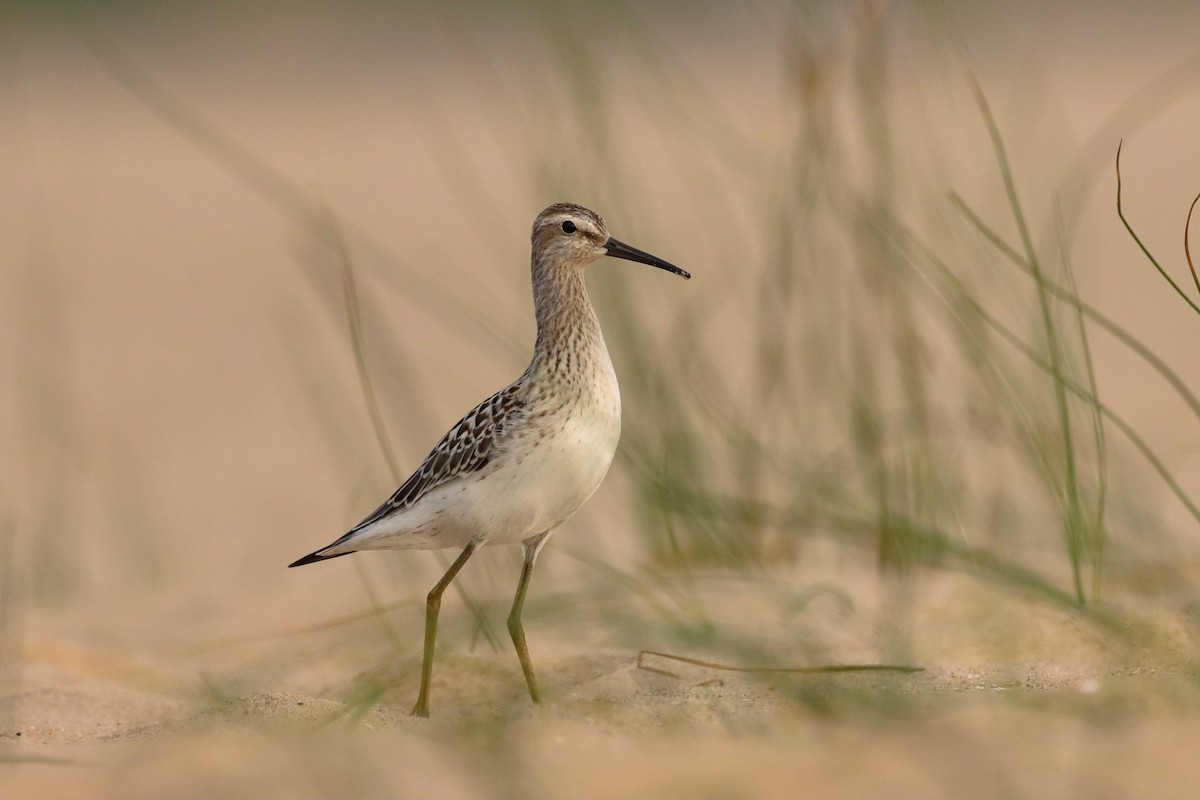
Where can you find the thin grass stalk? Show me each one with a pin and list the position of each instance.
(1187, 246)
(1145, 250)
(1141, 106)
(1075, 543)
(1091, 312)
(1032, 355)
(366, 388)
(1099, 441)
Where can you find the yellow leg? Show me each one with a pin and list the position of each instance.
(433, 604)
(516, 630)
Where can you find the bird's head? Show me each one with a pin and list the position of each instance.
(569, 237)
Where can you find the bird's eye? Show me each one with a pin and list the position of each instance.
(568, 227)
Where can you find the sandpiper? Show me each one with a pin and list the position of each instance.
(524, 460)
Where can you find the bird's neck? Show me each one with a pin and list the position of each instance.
(568, 333)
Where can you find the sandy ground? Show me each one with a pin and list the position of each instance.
(611, 730)
(322, 711)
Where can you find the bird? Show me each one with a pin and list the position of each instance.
(524, 460)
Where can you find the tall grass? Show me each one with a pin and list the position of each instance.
(875, 390)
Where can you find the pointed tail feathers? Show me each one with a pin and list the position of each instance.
(324, 553)
(313, 558)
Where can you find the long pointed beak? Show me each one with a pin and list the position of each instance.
(622, 250)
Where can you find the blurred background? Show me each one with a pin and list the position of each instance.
(925, 402)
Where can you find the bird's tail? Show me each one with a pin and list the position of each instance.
(313, 558)
(324, 554)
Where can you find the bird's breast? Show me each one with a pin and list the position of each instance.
(556, 460)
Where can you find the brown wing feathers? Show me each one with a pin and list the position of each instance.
(466, 448)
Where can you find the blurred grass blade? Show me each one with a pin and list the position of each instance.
(1091, 312)
(457, 317)
(354, 318)
(1074, 515)
(1034, 357)
(1095, 528)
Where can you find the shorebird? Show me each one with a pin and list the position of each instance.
(524, 460)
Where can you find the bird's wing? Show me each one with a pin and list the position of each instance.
(466, 448)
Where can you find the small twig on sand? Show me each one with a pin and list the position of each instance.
(641, 664)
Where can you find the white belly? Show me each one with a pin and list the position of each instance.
(542, 479)
(546, 482)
